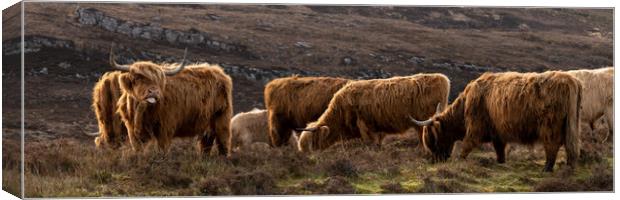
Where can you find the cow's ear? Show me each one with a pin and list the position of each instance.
(437, 126)
(437, 132)
(125, 82)
(428, 137)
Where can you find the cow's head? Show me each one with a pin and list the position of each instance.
(311, 136)
(145, 81)
(434, 138)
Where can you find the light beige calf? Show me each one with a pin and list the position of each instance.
(251, 129)
(597, 100)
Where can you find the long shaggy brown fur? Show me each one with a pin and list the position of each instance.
(112, 131)
(370, 109)
(598, 96)
(511, 108)
(195, 102)
(293, 102)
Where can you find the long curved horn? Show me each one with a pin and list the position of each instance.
(421, 123)
(116, 65)
(179, 68)
(93, 133)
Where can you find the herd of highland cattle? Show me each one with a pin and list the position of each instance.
(148, 102)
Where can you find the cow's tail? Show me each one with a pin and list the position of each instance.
(572, 139)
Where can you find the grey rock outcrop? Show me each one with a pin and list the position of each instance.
(153, 31)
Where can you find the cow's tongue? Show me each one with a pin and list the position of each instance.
(151, 100)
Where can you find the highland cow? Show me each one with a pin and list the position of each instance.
(598, 96)
(112, 132)
(371, 109)
(510, 108)
(161, 104)
(249, 128)
(293, 102)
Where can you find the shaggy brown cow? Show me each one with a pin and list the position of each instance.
(598, 96)
(510, 108)
(161, 104)
(369, 109)
(249, 128)
(293, 102)
(112, 132)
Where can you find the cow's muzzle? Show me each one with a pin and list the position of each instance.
(152, 96)
(151, 100)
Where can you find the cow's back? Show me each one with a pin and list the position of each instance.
(195, 96)
(249, 127)
(514, 104)
(597, 93)
(301, 99)
(386, 104)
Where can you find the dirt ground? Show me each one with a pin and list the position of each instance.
(352, 42)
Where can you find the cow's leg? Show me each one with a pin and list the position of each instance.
(551, 152)
(105, 131)
(551, 142)
(205, 143)
(136, 130)
(609, 117)
(285, 135)
(278, 129)
(117, 131)
(466, 147)
(470, 141)
(378, 139)
(500, 150)
(134, 141)
(237, 139)
(364, 132)
(221, 126)
(509, 148)
(163, 142)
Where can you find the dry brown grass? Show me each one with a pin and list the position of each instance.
(599, 179)
(72, 168)
(11, 180)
